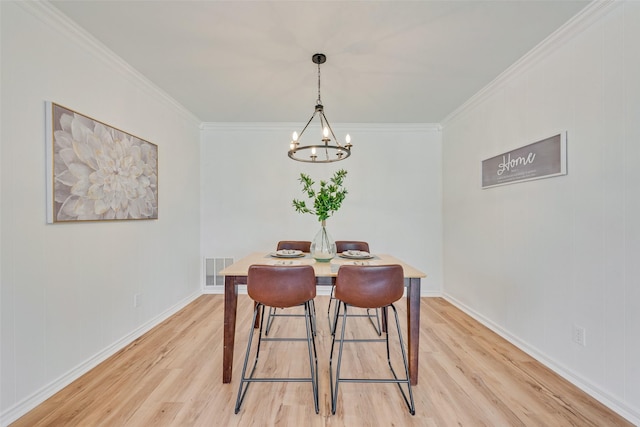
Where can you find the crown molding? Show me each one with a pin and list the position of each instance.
(575, 26)
(289, 127)
(50, 15)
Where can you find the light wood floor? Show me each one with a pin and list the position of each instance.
(172, 376)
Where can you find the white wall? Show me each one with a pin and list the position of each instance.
(67, 289)
(533, 259)
(393, 200)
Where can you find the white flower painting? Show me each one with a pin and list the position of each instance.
(98, 172)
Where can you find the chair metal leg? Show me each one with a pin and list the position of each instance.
(335, 382)
(329, 317)
(313, 317)
(241, 392)
(273, 314)
(334, 386)
(245, 380)
(376, 324)
(407, 380)
(313, 355)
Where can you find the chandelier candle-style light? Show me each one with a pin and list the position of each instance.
(323, 152)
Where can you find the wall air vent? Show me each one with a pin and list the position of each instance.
(212, 268)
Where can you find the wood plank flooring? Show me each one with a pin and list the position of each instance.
(172, 376)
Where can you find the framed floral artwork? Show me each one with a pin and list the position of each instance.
(97, 172)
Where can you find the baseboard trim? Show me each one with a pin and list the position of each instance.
(321, 290)
(23, 407)
(242, 290)
(621, 408)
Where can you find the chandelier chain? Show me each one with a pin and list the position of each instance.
(319, 100)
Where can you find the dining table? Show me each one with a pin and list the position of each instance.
(325, 272)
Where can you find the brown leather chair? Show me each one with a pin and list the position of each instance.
(282, 287)
(354, 245)
(372, 286)
(298, 245)
(351, 245)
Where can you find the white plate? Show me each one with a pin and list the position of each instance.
(364, 262)
(285, 262)
(287, 253)
(356, 255)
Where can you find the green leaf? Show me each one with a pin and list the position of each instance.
(327, 200)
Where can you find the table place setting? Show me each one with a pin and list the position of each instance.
(336, 263)
(284, 262)
(287, 253)
(353, 254)
(363, 263)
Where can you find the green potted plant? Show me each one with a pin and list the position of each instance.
(326, 201)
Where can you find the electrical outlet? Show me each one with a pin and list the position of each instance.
(579, 335)
(137, 300)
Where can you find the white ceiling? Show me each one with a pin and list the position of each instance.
(387, 61)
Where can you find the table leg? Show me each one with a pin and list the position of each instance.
(256, 324)
(230, 306)
(385, 317)
(413, 326)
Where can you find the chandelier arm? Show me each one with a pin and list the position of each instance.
(307, 125)
(326, 123)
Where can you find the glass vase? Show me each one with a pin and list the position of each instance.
(323, 247)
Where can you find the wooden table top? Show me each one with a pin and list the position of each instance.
(322, 269)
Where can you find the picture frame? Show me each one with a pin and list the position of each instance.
(545, 158)
(96, 172)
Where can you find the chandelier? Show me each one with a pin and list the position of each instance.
(324, 151)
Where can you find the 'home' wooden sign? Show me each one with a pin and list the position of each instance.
(542, 159)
